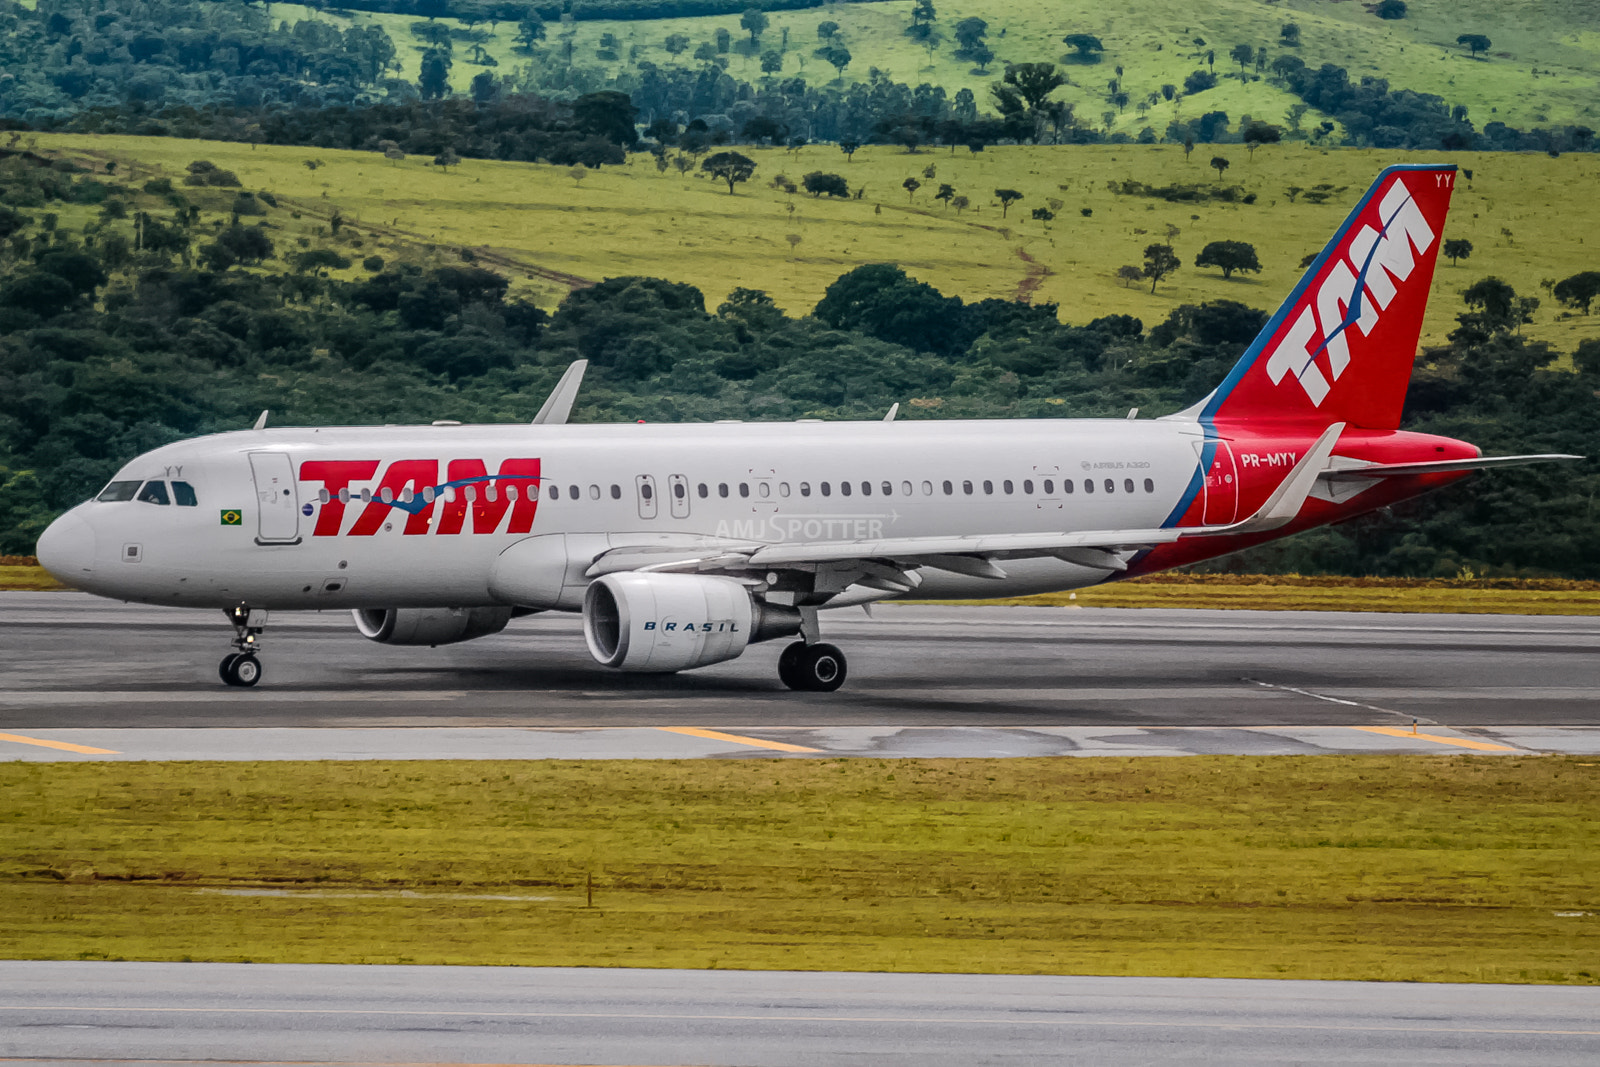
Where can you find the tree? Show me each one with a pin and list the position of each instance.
(1043, 214)
(1129, 274)
(485, 89)
(771, 62)
(946, 193)
(1032, 82)
(1087, 46)
(911, 185)
(434, 79)
(675, 43)
(1243, 55)
(922, 12)
(1219, 164)
(530, 31)
(731, 167)
(826, 30)
(724, 40)
(849, 147)
(1477, 42)
(838, 55)
(1457, 248)
(1579, 290)
(1230, 256)
(960, 203)
(1260, 133)
(1006, 197)
(754, 21)
(816, 183)
(1159, 261)
(446, 159)
(970, 33)
(1390, 9)
(1199, 82)
(1290, 34)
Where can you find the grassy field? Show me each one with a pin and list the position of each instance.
(551, 230)
(1391, 868)
(1542, 69)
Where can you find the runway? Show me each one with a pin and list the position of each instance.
(179, 1013)
(78, 672)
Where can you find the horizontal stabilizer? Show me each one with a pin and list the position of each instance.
(1443, 466)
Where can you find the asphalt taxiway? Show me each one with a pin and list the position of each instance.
(78, 673)
(175, 1012)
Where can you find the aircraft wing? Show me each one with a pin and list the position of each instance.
(887, 561)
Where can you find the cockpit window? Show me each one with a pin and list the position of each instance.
(183, 495)
(118, 491)
(154, 493)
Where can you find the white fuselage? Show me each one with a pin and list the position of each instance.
(260, 531)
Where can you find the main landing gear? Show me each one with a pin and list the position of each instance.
(242, 667)
(818, 668)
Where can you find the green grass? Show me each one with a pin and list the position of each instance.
(1396, 868)
(544, 228)
(1543, 68)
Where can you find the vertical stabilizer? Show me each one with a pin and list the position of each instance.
(1340, 349)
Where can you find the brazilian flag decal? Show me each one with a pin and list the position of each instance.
(232, 517)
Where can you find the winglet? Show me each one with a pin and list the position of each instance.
(261, 420)
(1286, 500)
(559, 404)
(894, 409)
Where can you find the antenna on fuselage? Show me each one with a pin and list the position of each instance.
(261, 420)
(559, 404)
(894, 409)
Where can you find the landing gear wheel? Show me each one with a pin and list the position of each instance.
(225, 668)
(787, 664)
(817, 669)
(245, 670)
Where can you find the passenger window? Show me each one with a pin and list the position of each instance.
(594, 492)
(183, 495)
(154, 493)
(826, 490)
(888, 488)
(366, 496)
(1088, 485)
(677, 490)
(966, 487)
(783, 488)
(572, 491)
(1127, 485)
(1066, 486)
(744, 489)
(1008, 487)
(805, 488)
(905, 488)
(1027, 486)
(988, 488)
(1149, 486)
(866, 488)
(386, 495)
(1049, 486)
(702, 490)
(117, 492)
(764, 489)
(616, 492)
(1111, 486)
(645, 490)
(927, 488)
(844, 488)
(555, 493)
(722, 489)
(948, 488)
(344, 495)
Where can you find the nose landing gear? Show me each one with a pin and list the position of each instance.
(242, 668)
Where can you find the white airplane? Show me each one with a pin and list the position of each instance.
(681, 545)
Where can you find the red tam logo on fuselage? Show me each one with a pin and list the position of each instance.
(412, 486)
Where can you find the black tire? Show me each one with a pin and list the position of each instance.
(246, 670)
(787, 664)
(821, 668)
(225, 668)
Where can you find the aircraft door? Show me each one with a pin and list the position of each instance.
(277, 499)
(678, 495)
(1222, 486)
(645, 485)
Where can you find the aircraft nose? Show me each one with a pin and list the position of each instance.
(67, 546)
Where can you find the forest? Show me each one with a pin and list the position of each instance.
(110, 346)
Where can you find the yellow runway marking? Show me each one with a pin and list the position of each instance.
(1460, 742)
(65, 746)
(714, 735)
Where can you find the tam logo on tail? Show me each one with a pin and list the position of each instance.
(1341, 347)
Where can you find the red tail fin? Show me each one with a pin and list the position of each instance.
(1340, 349)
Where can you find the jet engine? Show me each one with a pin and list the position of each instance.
(673, 622)
(429, 626)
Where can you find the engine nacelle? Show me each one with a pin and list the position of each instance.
(673, 622)
(429, 626)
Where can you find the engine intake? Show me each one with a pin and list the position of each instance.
(675, 622)
(429, 626)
